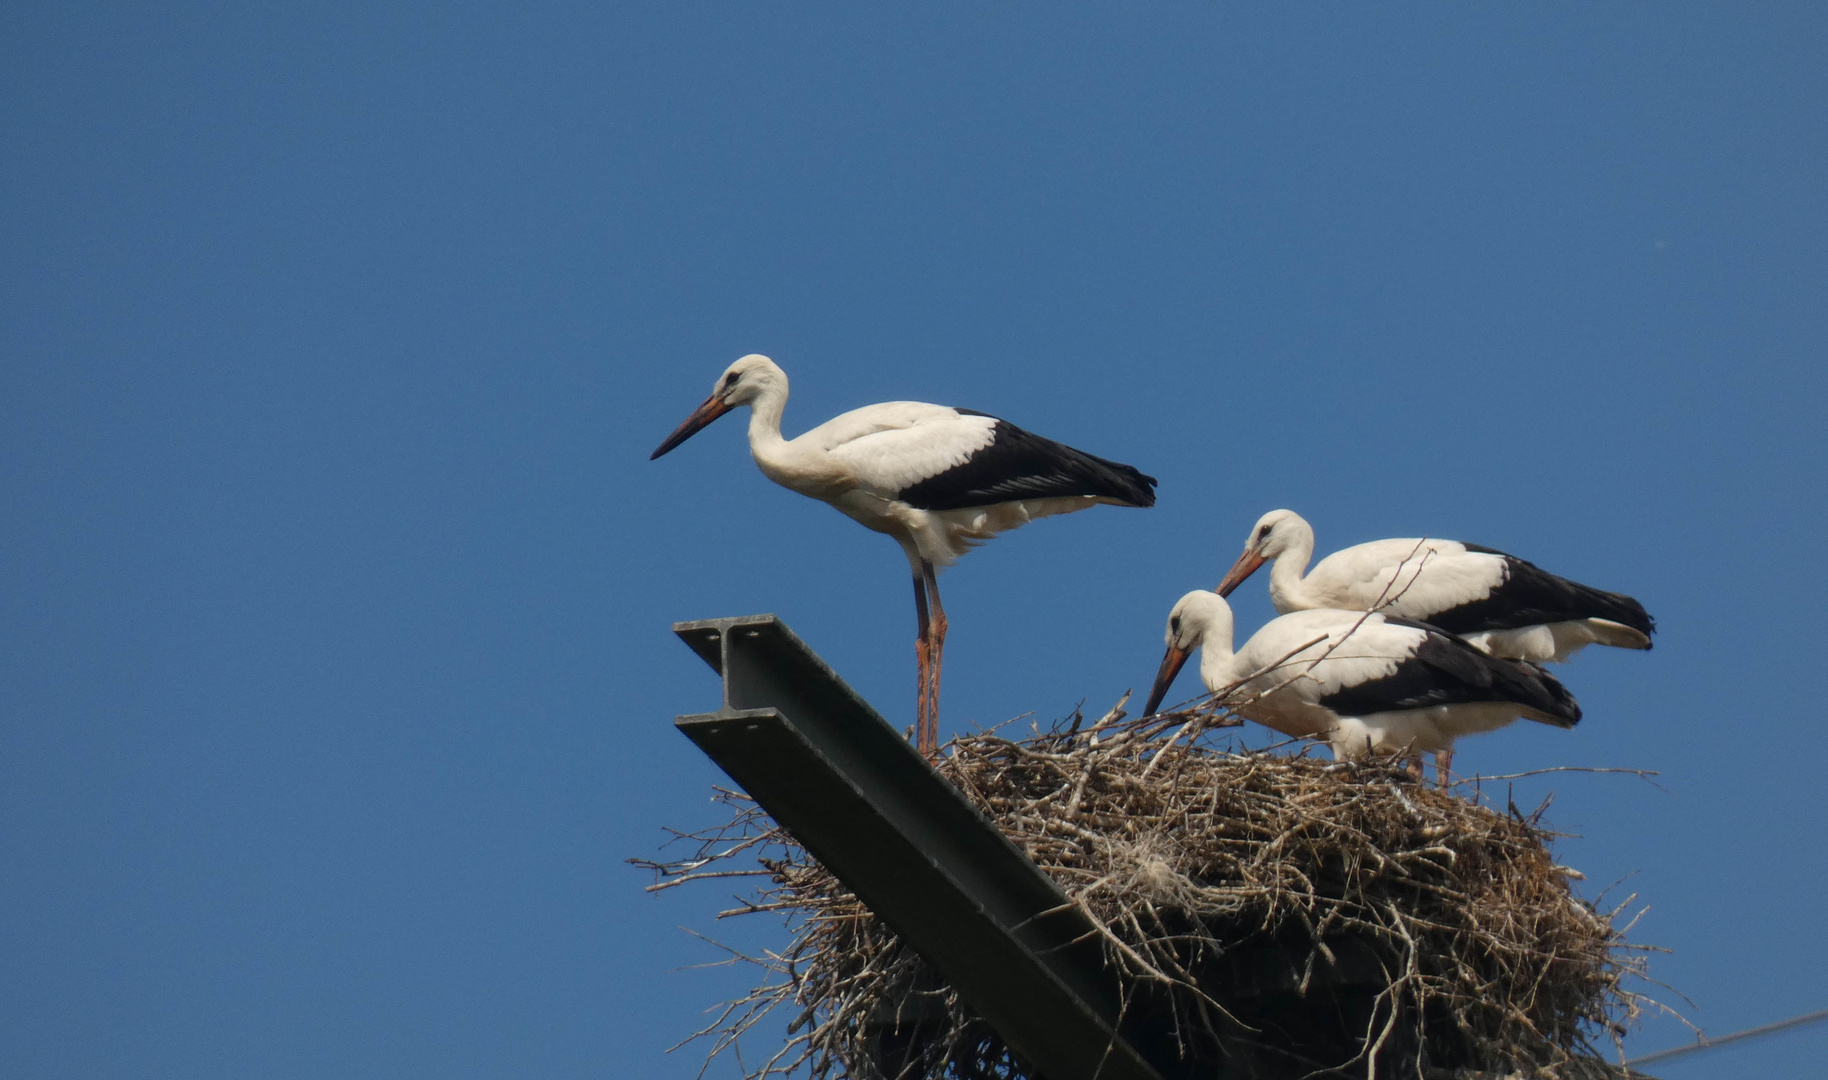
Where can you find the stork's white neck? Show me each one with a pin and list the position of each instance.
(1212, 627)
(1288, 590)
(765, 418)
(791, 463)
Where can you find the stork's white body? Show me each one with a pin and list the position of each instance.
(860, 462)
(1500, 603)
(1365, 683)
(1413, 575)
(1290, 695)
(937, 479)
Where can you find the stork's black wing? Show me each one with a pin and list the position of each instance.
(1019, 464)
(1445, 670)
(1530, 595)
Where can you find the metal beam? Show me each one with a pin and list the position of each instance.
(863, 802)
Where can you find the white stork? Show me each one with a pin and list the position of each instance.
(1502, 604)
(937, 479)
(1365, 682)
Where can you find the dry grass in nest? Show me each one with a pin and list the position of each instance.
(1204, 869)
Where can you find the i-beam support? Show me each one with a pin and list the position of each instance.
(864, 803)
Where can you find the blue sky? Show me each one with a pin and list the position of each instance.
(336, 680)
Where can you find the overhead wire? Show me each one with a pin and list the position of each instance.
(1738, 1036)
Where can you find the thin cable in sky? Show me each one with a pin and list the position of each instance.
(1737, 1036)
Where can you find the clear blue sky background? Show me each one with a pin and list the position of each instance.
(336, 678)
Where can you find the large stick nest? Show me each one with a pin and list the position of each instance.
(1243, 897)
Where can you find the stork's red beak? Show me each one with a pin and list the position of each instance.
(1245, 566)
(1171, 666)
(713, 408)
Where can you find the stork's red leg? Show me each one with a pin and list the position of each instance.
(935, 655)
(1443, 761)
(922, 658)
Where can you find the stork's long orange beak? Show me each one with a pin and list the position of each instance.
(1164, 678)
(713, 408)
(1245, 566)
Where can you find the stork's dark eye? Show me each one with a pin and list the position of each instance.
(730, 380)
(1174, 624)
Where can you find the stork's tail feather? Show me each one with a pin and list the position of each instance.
(1621, 611)
(1535, 687)
(1114, 482)
(1140, 485)
(1620, 636)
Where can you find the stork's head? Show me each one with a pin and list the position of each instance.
(740, 384)
(1273, 534)
(1197, 616)
(743, 382)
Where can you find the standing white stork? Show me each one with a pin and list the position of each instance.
(1502, 604)
(1365, 682)
(937, 479)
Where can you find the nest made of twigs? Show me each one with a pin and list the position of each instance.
(1276, 914)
